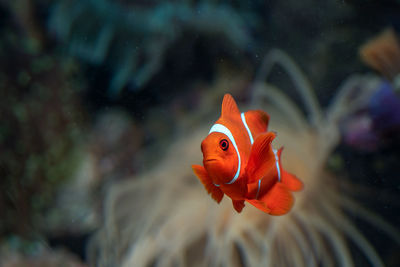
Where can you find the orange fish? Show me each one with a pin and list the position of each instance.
(239, 161)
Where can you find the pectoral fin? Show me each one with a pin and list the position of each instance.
(261, 159)
(215, 192)
(257, 120)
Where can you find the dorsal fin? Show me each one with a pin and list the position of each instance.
(257, 121)
(229, 106)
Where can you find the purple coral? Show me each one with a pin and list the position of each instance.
(384, 110)
(377, 123)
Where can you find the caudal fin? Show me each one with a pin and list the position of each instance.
(291, 181)
(278, 200)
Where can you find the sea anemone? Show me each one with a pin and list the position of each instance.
(165, 218)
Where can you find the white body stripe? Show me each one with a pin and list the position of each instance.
(251, 142)
(247, 128)
(277, 168)
(219, 128)
(277, 164)
(258, 189)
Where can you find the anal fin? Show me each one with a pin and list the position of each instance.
(238, 205)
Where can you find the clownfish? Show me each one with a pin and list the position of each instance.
(239, 161)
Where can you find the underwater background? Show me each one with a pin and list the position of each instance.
(104, 105)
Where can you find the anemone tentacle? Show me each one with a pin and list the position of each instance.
(173, 223)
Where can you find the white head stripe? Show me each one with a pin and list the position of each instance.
(247, 128)
(219, 128)
(277, 164)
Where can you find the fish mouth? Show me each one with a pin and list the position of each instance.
(210, 160)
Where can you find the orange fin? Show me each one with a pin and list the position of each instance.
(202, 174)
(261, 158)
(382, 53)
(257, 120)
(238, 205)
(229, 107)
(279, 200)
(259, 205)
(291, 181)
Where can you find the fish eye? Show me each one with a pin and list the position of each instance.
(224, 144)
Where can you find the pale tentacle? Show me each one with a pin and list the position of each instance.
(286, 108)
(302, 242)
(369, 216)
(314, 233)
(347, 227)
(301, 83)
(353, 94)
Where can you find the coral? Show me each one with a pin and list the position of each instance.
(377, 122)
(131, 38)
(164, 217)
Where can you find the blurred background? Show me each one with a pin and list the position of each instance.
(94, 92)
